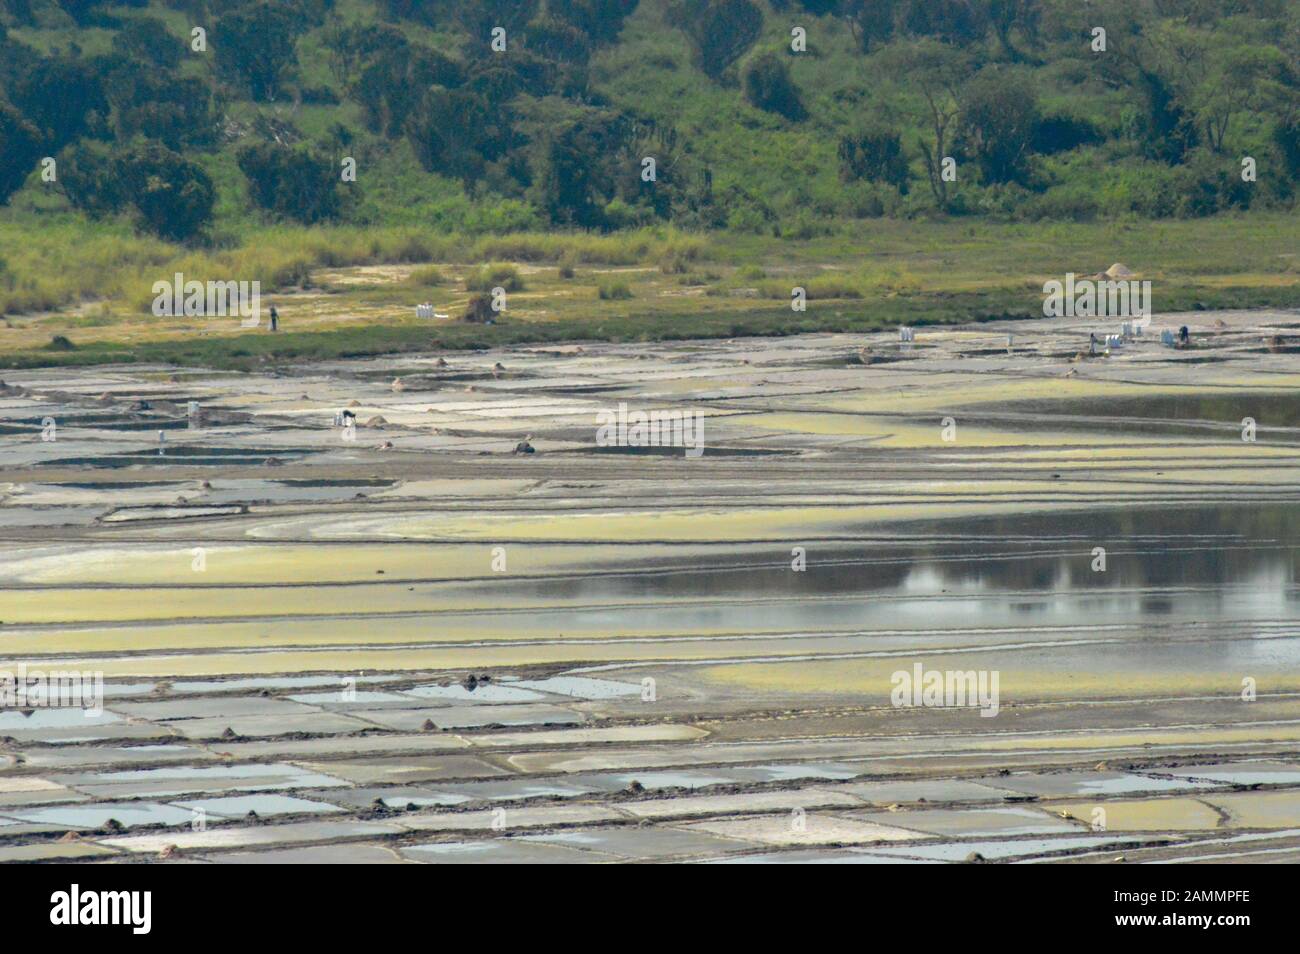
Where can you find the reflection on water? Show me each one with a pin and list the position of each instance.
(1221, 562)
(1151, 413)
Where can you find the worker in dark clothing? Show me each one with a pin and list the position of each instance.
(275, 319)
(1184, 336)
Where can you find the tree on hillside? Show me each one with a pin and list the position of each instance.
(89, 178)
(294, 182)
(874, 154)
(177, 112)
(1061, 132)
(554, 39)
(81, 11)
(566, 186)
(147, 40)
(720, 31)
(1151, 63)
(352, 45)
(937, 71)
(871, 21)
(1008, 16)
(389, 87)
(1286, 137)
(476, 17)
(600, 20)
(480, 17)
(63, 98)
(768, 86)
(455, 132)
(818, 8)
(16, 59)
(171, 196)
(256, 44)
(680, 184)
(157, 103)
(499, 80)
(960, 22)
(20, 148)
(1281, 96)
(584, 165)
(20, 12)
(1231, 83)
(999, 113)
(465, 134)
(1165, 125)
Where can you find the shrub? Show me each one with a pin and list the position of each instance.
(1061, 133)
(297, 183)
(874, 154)
(319, 95)
(1061, 205)
(499, 275)
(613, 291)
(768, 86)
(429, 275)
(675, 262)
(479, 309)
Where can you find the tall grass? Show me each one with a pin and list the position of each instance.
(45, 268)
(425, 277)
(498, 274)
(613, 291)
(55, 265)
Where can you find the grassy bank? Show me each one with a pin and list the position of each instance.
(51, 264)
(351, 291)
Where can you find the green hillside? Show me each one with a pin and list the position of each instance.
(279, 137)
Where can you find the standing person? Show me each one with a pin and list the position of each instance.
(275, 319)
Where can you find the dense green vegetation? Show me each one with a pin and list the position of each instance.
(783, 116)
(262, 140)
